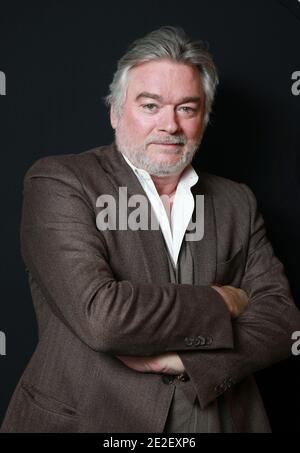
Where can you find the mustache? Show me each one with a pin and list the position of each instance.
(178, 140)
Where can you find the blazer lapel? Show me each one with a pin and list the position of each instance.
(205, 251)
(148, 244)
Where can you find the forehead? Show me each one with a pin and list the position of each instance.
(166, 78)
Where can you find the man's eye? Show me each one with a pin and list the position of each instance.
(150, 107)
(187, 109)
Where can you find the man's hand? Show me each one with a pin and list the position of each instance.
(168, 363)
(235, 298)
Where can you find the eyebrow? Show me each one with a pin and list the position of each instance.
(158, 98)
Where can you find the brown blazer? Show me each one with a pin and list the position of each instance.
(102, 294)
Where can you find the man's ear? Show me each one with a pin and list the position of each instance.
(113, 117)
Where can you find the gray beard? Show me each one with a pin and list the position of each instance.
(139, 158)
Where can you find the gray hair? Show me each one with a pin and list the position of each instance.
(165, 43)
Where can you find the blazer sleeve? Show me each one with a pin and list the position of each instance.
(66, 255)
(262, 334)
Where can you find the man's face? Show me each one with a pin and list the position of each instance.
(162, 119)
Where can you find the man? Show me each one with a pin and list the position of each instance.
(147, 329)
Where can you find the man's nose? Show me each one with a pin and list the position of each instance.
(168, 121)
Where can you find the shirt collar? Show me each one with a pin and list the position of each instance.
(138, 171)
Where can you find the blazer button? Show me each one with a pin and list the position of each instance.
(209, 340)
(200, 341)
(189, 341)
(167, 379)
(182, 377)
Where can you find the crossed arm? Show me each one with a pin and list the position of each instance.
(236, 301)
(68, 259)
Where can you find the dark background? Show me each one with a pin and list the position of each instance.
(59, 58)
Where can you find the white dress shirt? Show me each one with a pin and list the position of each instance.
(173, 227)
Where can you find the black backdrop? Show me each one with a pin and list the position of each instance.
(58, 58)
